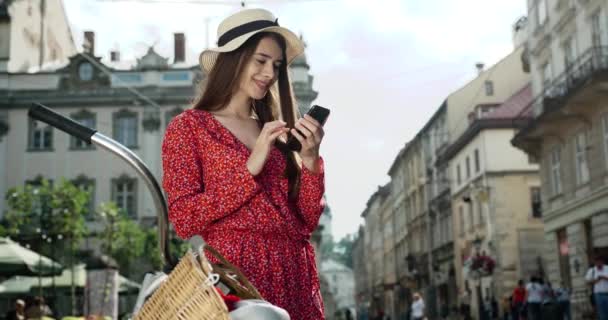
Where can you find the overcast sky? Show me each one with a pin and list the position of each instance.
(383, 67)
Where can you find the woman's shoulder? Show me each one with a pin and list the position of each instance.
(190, 118)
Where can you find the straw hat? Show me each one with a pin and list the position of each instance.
(237, 28)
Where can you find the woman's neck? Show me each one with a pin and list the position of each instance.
(238, 107)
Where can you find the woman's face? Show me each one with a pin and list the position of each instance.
(262, 70)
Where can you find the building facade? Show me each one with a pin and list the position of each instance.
(361, 291)
(496, 201)
(341, 283)
(568, 135)
(404, 283)
(34, 34)
(435, 140)
(374, 250)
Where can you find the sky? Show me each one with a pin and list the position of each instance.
(383, 67)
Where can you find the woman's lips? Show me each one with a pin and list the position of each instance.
(262, 85)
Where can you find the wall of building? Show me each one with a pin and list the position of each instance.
(26, 41)
(507, 77)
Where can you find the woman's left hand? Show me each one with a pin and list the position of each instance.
(310, 138)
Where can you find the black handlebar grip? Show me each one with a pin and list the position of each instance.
(40, 112)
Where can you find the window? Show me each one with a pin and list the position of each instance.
(458, 176)
(541, 13)
(85, 71)
(471, 215)
(124, 194)
(564, 256)
(569, 53)
(87, 184)
(535, 200)
(86, 119)
(169, 115)
(38, 181)
(580, 158)
(547, 75)
(480, 212)
(468, 164)
(556, 175)
(125, 128)
(476, 156)
(596, 30)
(40, 136)
(462, 225)
(489, 85)
(605, 137)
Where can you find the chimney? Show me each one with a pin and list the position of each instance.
(179, 53)
(479, 66)
(89, 42)
(114, 56)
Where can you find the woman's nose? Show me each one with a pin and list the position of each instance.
(268, 70)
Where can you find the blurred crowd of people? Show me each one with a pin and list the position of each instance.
(34, 309)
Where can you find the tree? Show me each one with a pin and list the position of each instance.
(123, 238)
(48, 217)
(177, 247)
(343, 250)
(43, 211)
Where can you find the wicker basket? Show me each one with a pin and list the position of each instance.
(185, 295)
(232, 277)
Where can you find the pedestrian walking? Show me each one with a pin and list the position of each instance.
(562, 296)
(534, 298)
(418, 307)
(597, 276)
(229, 174)
(518, 301)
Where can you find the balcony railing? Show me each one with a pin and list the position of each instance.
(591, 62)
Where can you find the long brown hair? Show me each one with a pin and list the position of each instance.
(221, 83)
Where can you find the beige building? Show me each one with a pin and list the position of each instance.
(34, 34)
(482, 168)
(443, 287)
(361, 291)
(569, 135)
(374, 249)
(415, 206)
(495, 200)
(402, 290)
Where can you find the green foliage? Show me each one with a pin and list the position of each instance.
(341, 251)
(344, 250)
(177, 247)
(124, 240)
(57, 211)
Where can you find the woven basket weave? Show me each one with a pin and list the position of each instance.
(185, 295)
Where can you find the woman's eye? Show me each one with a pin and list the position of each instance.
(261, 61)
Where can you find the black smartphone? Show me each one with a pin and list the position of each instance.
(316, 112)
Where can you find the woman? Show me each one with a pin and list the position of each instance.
(519, 301)
(534, 298)
(228, 174)
(417, 307)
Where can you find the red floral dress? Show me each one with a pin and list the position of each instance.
(249, 219)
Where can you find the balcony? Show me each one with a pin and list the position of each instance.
(590, 64)
(576, 86)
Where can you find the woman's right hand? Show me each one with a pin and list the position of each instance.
(270, 132)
